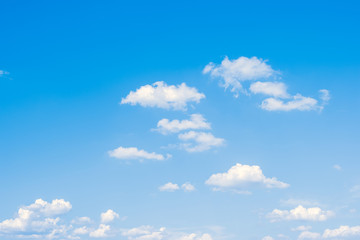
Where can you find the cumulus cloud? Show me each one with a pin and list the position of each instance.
(275, 89)
(36, 217)
(309, 235)
(188, 187)
(108, 216)
(201, 141)
(134, 153)
(81, 230)
(100, 232)
(234, 72)
(342, 231)
(169, 187)
(300, 213)
(151, 233)
(196, 121)
(239, 176)
(297, 102)
(164, 96)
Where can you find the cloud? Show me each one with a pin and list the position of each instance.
(300, 213)
(297, 102)
(81, 220)
(234, 72)
(108, 216)
(301, 228)
(197, 121)
(163, 96)
(3, 73)
(296, 202)
(275, 89)
(169, 187)
(201, 141)
(36, 217)
(151, 233)
(342, 231)
(81, 231)
(134, 153)
(309, 235)
(267, 238)
(324, 95)
(188, 187)
(241, 175)
(337, 167)
(101, 232)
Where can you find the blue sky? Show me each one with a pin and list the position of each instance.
(179, 120)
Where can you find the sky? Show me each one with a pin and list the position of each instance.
(180, 120)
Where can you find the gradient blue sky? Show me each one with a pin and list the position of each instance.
(65, 66)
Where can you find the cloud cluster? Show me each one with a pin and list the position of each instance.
(239, 176)
(300, 213)
(134, 153)
(234, 72)
(342, 232)
(164, 96)
(199, 141)
(171, 187)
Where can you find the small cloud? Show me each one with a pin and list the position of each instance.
(188, 187)
(240, 175)
(100, 232)
(169, 187)
(300, 213)
(134, 153)
(108, 216)
(297, 102)
(337, 167)
(202, 141)
(342, 231)
(196, 121)
(275, 89)
(309, 235)
(164, 96)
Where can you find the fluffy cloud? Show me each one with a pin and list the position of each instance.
(36, 217)
(188, 187)
(297, 102)
(161, 95)
(267, 238)
(150, 233)
(342, 231)
(275, 89)
(241, 175)
(324, 95)
(134, 153)
(201, 141)
(234, 72)
(300, 213)
(108, 216)
(309, 235)
(197, 121)
(101, 232)
(169, 187)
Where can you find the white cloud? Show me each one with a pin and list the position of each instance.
(297, 102)
(309, 235)
(301, 228)
(300, 213)
(275, 89)
(36, 217)
(161, 95)
(150, 233)
(337, 167)
(197, 121)
(134, 153)
(202, 141)
(234, 72)
(342, 231)
(188, 187)
(81, 230)
(108, 216)
(324, 95)
(81, 220)
(267, 238)
(169, 187)
(101, 232)
(242, 175)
